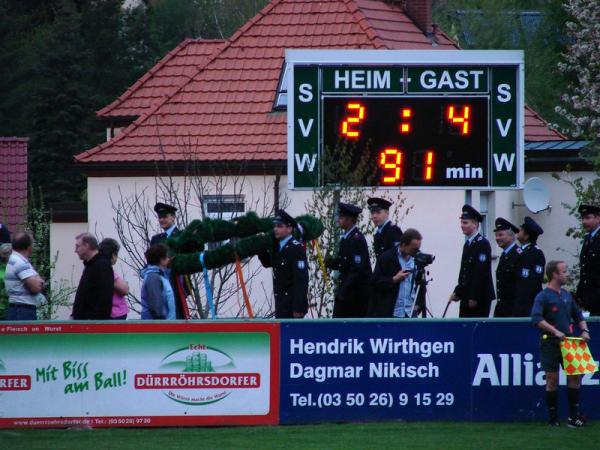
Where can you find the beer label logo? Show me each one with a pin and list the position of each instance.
(197, 375)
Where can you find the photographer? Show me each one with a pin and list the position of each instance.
(393, 283)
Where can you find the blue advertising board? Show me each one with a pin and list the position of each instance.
(417, 370)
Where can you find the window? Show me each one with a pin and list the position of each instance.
(223, 206)
(281, 96)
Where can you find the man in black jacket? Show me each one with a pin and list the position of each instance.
(393, 286)
(530, 268)
(352, 261)
(588, 289)
(290, 270)
(93, 300)
(475, 288)
(506, 272)
(387, 235)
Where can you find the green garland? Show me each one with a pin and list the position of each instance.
(254, 242)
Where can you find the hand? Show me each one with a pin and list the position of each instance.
(453, 297)
(585, 336)
(559, 334)
(472, 304)
(400, 276)
(298, 315)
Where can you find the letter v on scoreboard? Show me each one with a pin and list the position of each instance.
(418, 119)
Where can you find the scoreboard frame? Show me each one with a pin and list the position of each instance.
(497, 75)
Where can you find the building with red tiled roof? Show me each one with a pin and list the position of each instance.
(215, 99)
(219, 108)
(13, 181)
(225, 111)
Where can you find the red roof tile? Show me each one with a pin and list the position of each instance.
(177, 67)
(13, 181)
(224, 110)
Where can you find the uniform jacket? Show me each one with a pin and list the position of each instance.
(530, 276)
(588, 289)
(290, 278)
(387, 238)
(385, 291)
(475, 278)
(506, 282)
(161, 237)
(352, 294)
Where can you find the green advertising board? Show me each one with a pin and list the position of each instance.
(434, 119)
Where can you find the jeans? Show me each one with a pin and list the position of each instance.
(21, 312)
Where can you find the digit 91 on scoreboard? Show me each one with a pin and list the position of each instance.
(412, 141)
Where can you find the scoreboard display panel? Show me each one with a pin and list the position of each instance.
(405, 119)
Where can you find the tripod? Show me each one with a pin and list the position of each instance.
(419, 305)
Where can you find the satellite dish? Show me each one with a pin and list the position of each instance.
(536, 195)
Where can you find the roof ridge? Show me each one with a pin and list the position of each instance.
(152, 71)
(141, 119)
(131, 89)
(364, 24)
(13, 139)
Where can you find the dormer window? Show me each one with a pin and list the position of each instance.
(281, 96)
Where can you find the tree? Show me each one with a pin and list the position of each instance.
(135, 222)
(535, 26)
(581, 63)
(345, 169)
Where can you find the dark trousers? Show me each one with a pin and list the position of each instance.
(18, 311)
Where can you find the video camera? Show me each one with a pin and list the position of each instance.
(423, 259)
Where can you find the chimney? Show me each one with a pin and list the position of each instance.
(420, 12)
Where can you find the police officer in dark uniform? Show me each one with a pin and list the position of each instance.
(387, 235)
(475, 289)
(530, 268)
(588, 289)
(352, 261)
(506, 275)
(290, 270)
(166, 219)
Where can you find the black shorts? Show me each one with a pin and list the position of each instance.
(550, 356)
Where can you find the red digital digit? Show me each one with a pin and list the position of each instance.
(428, 175)
(463, 118)
(406, 113)
(390, 160)
(347, 129)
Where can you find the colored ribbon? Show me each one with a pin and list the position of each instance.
(238, 269)
(182, 298)
(317, 247)
(208, 287)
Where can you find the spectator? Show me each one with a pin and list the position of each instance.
(4, 234)
(93, 300)
(158, 300)
(110, 249)
(5, 250)
(23, 284)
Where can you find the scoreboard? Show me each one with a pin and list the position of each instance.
(406, 118)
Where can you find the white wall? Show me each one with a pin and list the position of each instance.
(68, 267)
(435, 214)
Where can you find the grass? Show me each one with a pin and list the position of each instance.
(348, 436)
